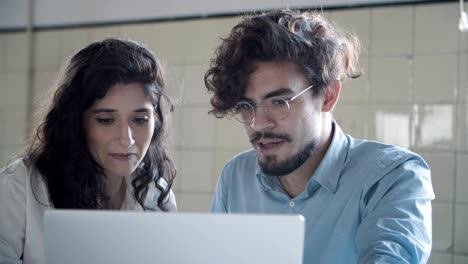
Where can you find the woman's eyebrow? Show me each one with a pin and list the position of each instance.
(142, 110)
(103, 110)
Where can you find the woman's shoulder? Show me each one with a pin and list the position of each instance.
(16, 172)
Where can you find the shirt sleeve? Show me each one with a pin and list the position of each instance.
(218, 203)
(396, 225)
(12, 216)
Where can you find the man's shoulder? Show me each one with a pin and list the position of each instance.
(244, 163)
(246, 156)
(379, 158)
(378, 152)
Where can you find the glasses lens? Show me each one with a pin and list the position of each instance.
(277, 108)
(243, 112)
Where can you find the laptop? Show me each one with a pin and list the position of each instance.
(118, 237)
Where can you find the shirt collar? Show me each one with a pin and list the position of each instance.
(329, 170)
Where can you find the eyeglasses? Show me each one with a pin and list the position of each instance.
(276, 108)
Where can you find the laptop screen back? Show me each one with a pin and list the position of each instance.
(118, 237)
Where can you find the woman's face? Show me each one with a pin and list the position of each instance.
(119, 129)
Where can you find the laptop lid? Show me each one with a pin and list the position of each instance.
(118, 237)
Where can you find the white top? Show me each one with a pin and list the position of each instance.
(22, 211)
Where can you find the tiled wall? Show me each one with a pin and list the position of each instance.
(413, 93)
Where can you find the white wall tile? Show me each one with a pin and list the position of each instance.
(461, 131)
(460, 259)
(392, 30)
(8, 153)
(194, 202)
(200, 41)
(463, 38)
(440, 18)
(196, 171)
(174, 76)
(442, 226)
(100, 33)
(225, 25)
(13, 90)
(17, 52)
(390, 124)
(357, 90)
(353, 119)
(177, 159)
(3, 49)
(434, 126)
(197, 127)
(461, 189)
(461, 232)
(440, 258)
(442, 167)
(72, 41)
(463, 77)
(3, 113)
(435, 78)
(42, 85)
(230, 134)
(167, 41)
(175, 129)
(354, 20)
(390, 79)
(194, 90)
(47, 50)
(141, 33)
(15, 128)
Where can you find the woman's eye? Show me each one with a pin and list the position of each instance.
(105, 121)
(141, 120)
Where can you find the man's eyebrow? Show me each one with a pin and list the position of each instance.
(278, 92)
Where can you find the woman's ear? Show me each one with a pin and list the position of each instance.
(331, 96)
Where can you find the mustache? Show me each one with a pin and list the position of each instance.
(268, 135)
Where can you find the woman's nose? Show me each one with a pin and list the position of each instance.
(126, 135)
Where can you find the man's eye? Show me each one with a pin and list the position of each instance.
(278, 101)
(242, 107)
(105, 121)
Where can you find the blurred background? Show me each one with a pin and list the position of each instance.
(413, 92)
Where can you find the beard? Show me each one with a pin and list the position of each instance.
(273, 167)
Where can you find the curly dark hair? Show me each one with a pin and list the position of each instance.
(57, 146)
(321, 50)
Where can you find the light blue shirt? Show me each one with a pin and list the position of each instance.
(367, 202)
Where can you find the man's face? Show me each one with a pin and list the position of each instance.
(283, 145)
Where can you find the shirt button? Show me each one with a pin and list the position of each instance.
(292, 203)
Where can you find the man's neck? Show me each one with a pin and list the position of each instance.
(295, 183)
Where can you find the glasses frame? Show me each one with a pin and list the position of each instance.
(262, 104)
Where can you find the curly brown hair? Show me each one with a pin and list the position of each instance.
(319, 48)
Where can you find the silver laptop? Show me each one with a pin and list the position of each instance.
(117, 237)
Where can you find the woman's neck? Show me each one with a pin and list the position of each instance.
(116, 190)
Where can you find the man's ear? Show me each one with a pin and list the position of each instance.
(331, 96)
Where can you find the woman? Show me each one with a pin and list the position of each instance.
(100, 145)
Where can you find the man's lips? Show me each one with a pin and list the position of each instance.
(268, 138)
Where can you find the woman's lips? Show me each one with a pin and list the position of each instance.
(122, 156)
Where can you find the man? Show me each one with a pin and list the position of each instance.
(280, 74)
